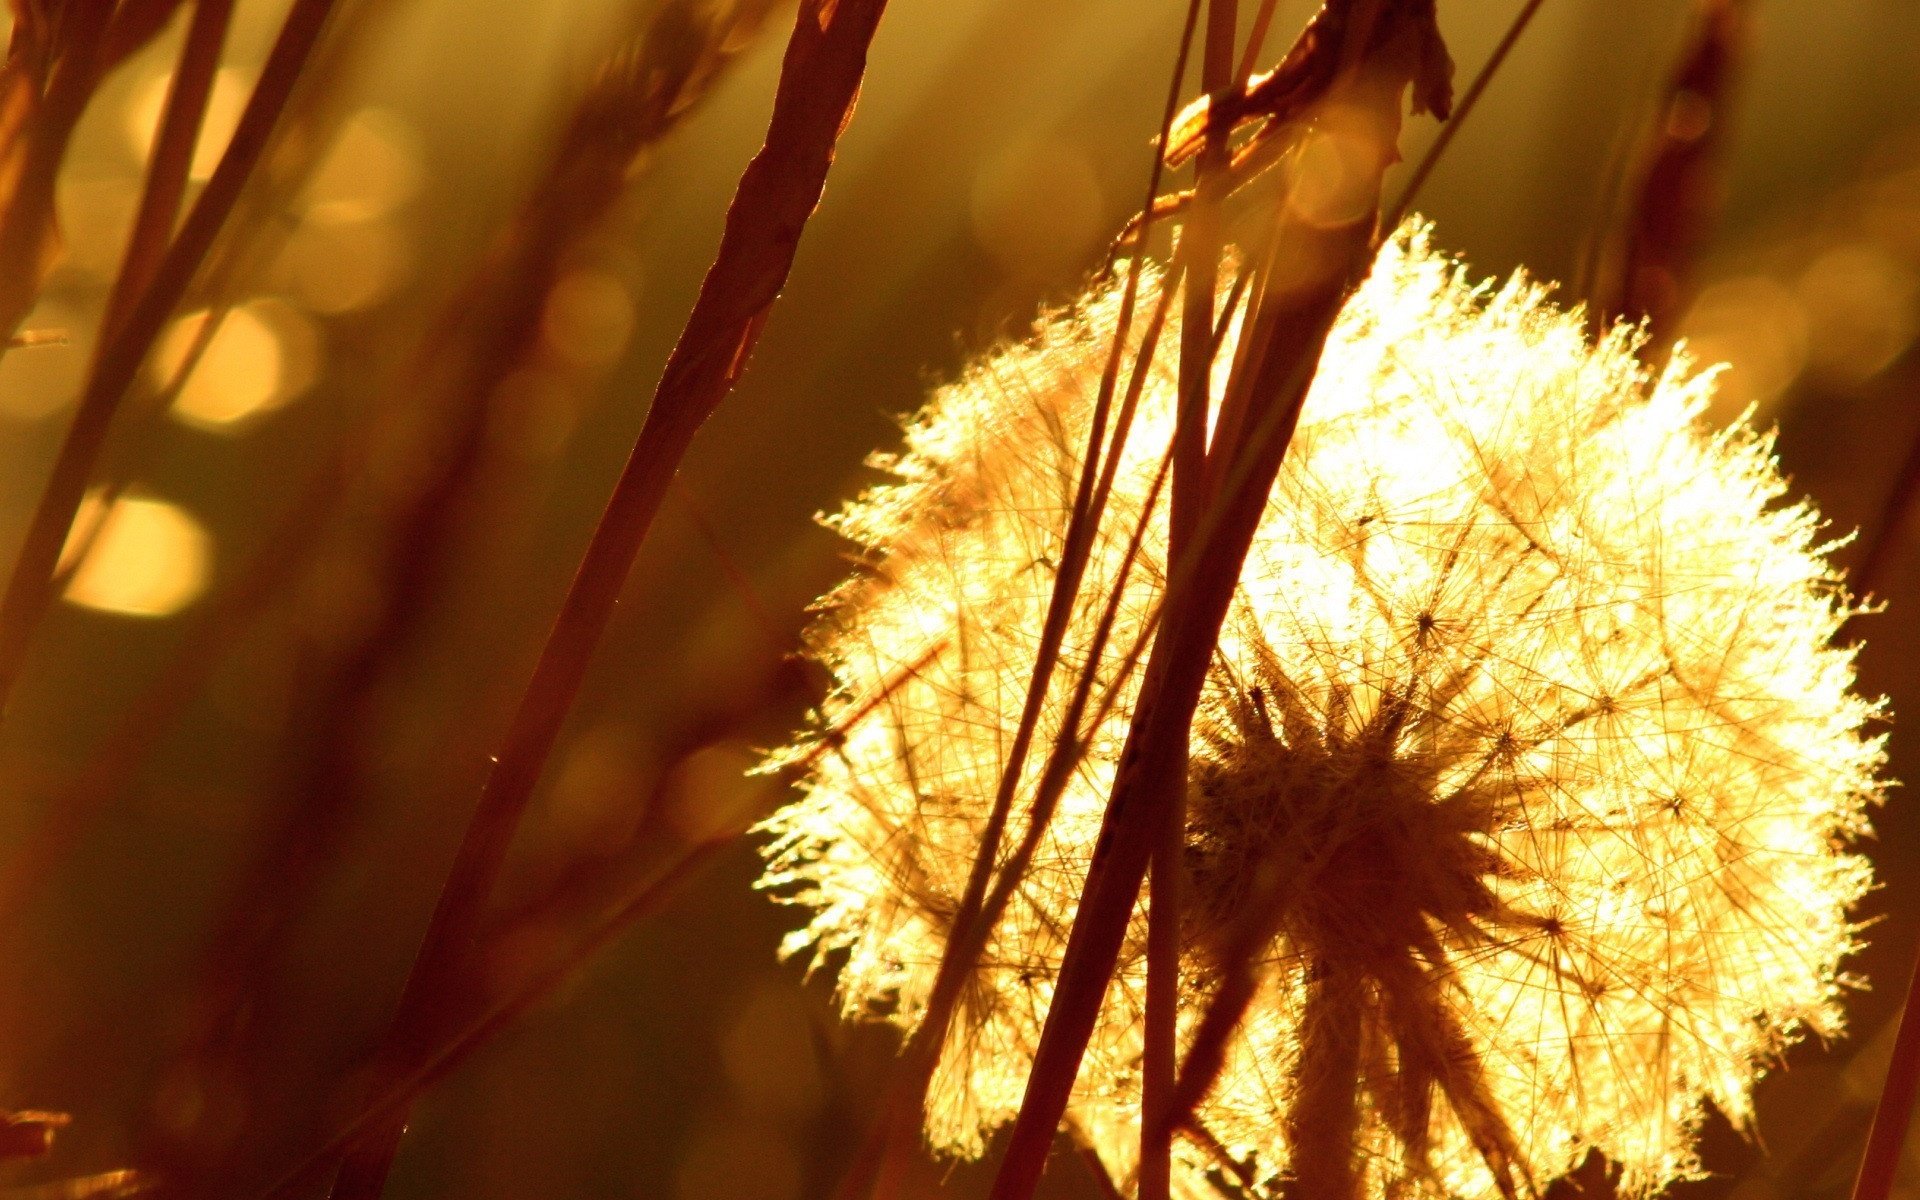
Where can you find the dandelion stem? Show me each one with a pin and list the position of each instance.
(1324, 1117)
(1200, 250)
(1287, 331)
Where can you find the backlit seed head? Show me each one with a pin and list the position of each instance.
(1525, 739)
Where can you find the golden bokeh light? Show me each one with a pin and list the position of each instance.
(336, 267)
(259, 356)
(1525, 733)
(372, 170)
(148, 558)
(1760, 328)
(224, 105)
(1863, 309)
(588, 319)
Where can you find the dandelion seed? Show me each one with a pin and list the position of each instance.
(1525, 749)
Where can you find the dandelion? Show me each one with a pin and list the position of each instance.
(1525, 751)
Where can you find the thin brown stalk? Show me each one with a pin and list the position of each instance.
(1201, 238)
(1377, 50)
(171, 160)
(1893, 1111)
(489, 329)
(29, 590)
(1257, 37)
(820, 79)
(253, 588)
(117, 476)
(255, 231)
(55, 60)
(879, 1162)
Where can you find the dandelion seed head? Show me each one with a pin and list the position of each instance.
(1526, 726)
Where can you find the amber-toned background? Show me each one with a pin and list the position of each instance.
(997, 146)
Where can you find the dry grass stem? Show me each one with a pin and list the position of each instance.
(880, 1160)
(1374, 53)
(819, 82)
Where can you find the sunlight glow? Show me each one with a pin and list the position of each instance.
(224, 104)
(262, 355)
(1525, 730)
(149, 559)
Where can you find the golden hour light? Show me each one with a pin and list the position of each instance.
(372, 170)
(259, 356)
(228, 97)
(881, 600)
(145, 558)
(333, 267)
(1526, 724)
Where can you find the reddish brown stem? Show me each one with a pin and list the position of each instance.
(54, 63)
(1152, 763)
(1893, 1113)
(172, 157)
(879, 1161)
(1386, 45)
(1200, 250)
(820, 78)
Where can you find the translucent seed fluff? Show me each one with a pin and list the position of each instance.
(1526, 731)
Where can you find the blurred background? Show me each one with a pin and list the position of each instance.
(287, 449)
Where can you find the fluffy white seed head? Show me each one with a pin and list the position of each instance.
(1526, 726)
